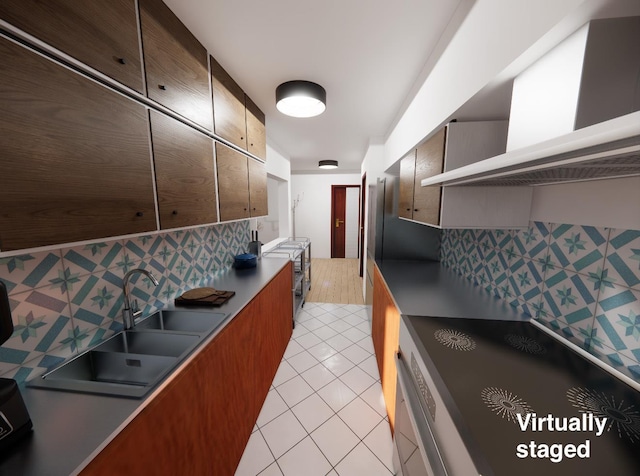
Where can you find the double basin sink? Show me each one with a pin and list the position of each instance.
(131, 362)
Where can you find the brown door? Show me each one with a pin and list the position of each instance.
(363, 198)
(338, 207)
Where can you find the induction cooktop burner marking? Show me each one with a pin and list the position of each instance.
(625, 417)
(455, 339)
(505, 403)
(525, 344)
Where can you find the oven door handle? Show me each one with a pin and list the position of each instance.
(428, 446)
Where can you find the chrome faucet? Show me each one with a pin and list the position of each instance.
(131, 310)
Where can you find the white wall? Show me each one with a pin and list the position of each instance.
(352, 222)
(279, 169)
(606, 203)
(313, 213)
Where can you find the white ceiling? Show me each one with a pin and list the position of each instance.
(367, 54)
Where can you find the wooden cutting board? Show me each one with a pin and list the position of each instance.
(203, 297)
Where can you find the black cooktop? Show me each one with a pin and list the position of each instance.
(495, 370)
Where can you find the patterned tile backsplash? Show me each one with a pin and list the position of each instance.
(582, 282)
(66, 300)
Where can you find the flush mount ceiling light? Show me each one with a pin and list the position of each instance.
(328, 164)
(301, 98)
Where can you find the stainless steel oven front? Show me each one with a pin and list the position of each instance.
(426, 439)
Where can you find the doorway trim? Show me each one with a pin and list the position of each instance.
(333, 215)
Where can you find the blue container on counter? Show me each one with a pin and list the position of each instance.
(245, 260)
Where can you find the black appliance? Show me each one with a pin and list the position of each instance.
(475, 377)
(14, 417)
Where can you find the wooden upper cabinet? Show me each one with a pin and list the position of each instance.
(103, 35)
(233, 183)
(256, 132)
(175, 62)
(429, 162)
(229, 114)
(75, 156)
(257, 188)
(407, 180)
(185, 178)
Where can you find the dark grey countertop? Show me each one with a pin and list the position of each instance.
(425, 288)
(69, 429)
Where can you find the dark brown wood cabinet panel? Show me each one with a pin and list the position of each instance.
(257, 188)
(429, 162)
(76, 163)
(103, 35)
(185, 176)
(407, 180)
(385, 332)
(175, 62)
(228, 106)
(201, 421)
(233, 183)
(256, 132)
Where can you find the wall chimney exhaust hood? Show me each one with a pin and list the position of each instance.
(574, 113)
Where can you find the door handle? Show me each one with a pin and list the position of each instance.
(338, 221)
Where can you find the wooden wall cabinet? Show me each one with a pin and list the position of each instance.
(242, 185)
(456, 145)
(103, 35)
(75, 156)
(201, 421)
(175, 62)
(385, 332)
(236, 117)
(185, 177)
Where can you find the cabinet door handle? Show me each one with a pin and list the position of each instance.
(175, 212)
(415, 209)
(139, 214)
(408, 209)
(162, 86)
(122, 60)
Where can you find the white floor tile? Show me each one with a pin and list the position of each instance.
(292, 349)
(355, 353)
(332, 473)
(367, 344)
(357, 380)
(302, 361)
(272, 470)
(353, 334)
(370, 365)
(312, 324)
(256, 456)
(273, 407)
(308, 340)
(318, 376)
(315, 311)
(322, 351)
(353, 307)
(325, 332)
(313, 412)
(336, 394)
(330, 306)
(364, 327)
(361, 461)
(299, 331)
(362, 313)
(339, 342)
(341, 312)
(285, 372)
(380, 443)
(352, 319)
(304, 459)
(294, 391)
(335, 439)
(283, 433)
(338, 364)
(360, 417)
(303, 316)
(327, 318)
(373, 396)
(340, 326)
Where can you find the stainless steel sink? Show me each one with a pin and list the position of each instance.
(182, 321)
(131, 362)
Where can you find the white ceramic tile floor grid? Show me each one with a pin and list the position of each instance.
(324, 414)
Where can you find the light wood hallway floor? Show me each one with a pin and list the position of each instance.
(335, 281)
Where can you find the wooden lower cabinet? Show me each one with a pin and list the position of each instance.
(385, 329)
(201, 422)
